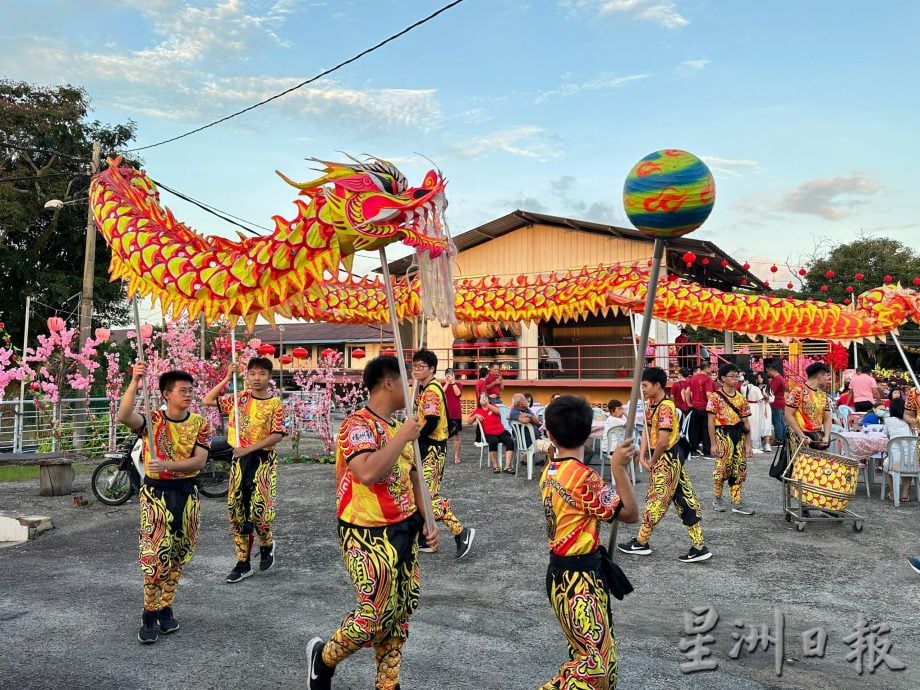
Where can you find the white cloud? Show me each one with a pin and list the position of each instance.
(524, 141)
(694, 65)
(602, 83)
(734, 168)
(832, 198)
(664, 13)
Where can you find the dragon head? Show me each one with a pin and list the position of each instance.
(371, 205)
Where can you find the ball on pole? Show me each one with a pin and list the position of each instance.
(669, 193)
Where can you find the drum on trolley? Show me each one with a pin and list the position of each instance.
(818, 487)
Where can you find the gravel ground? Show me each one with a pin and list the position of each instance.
(70, 601)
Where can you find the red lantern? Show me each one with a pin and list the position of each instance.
(300, 352)
(766, 283)
(859, 276)
(55, 324)
(744, 281)
(689, 258)
(824, 288)
(358, 353)
(789, 285)
(830, 300)
(887, 279)
(266, 350)
(328, 352)
(705, 261)
(746, 266)
(846, 301)
(285, 359)
(803, 272)
(849, 289)
(724, 263)
(388, 351)
(916, 281)
(829, 274)
(103, 334)
(773, 268)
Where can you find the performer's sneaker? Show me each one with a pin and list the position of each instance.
(464, 541)
(148, 632)
(767, 449)
(718, 505)
(742, 508)
(694, 555)
(319, 676)
(168, 622)
(914, 563)
(266, 557)
(240, 571)
(636, 547)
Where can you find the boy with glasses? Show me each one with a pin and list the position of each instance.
(730, 437)
(254, 468)
(169, 504)
(431, 407)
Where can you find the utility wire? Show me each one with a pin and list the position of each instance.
(223, 215)
(40, 177)
(304, 83)
(34, 149)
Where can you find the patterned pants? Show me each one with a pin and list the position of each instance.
(731, 463)
(169, 527)
(251, 499)
(582, 606)
(434, 454)
(383, 565)
(669, 482)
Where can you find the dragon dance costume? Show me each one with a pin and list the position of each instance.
(728, 413)
(431, 404)
(254, 477)
(669, 480)
(378, 531)
(169, 507)
(574, 499)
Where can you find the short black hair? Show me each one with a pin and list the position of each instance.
(614, 404)
(260, 363)
(448, 370)
(772, 365)
(686, 373)
(426, 357)
(705, 364)
(483, 372)
(728, 368)
(655, 375)
(378, 369)
(817, 368)
(568, 418)
(865, 369)
(169, 379)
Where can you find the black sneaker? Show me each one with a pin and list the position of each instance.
(266, 557)
(694, 555)
(148, 632)
(168, 622)
(240, 571)
(636, 547)
(319, 676)
(464, 541)
(914, 563)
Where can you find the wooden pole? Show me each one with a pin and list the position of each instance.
(236, 399)
(427, 510)
(145, 398)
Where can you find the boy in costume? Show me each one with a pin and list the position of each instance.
(169, 504)
(730, 438)
(378, 491)
(254, 468)
(574, 500)
(668, 478)
(808, 413)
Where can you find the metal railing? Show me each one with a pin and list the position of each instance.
(68, 425)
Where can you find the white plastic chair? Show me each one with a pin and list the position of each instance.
(521, 437)
(505, 411)
(615, 436)
(840, 446)
(902, 452)
(843, 414)
(483, 445)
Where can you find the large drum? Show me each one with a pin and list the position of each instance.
(827, 480)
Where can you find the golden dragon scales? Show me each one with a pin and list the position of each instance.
(297, 270)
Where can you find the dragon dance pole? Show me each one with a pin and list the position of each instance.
(427, 511)
(897, 342)
(236, 399)
(145, 398)
(654, 272)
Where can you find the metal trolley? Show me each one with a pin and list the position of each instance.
(802, 498)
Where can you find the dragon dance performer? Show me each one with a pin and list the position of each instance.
(378, 491)
(170, 509)
(254, 469)
(574, 499)
(730, 437)
(431, 404)
(668, 477)
(808, 414)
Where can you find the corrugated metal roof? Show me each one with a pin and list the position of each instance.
(716, 275)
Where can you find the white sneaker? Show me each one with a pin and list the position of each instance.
(767, 449)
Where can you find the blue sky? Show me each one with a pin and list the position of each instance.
(806, 111)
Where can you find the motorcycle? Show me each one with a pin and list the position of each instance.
(118, 476)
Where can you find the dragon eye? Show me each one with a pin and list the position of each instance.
(385, 183)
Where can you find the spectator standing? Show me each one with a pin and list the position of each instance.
(865, 390)
(453, 391)
(778, 404)
(700, 387)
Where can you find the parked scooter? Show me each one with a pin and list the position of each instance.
(118, 476)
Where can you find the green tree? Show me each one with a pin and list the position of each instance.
(45, 151)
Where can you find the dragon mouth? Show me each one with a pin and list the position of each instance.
(426, 226)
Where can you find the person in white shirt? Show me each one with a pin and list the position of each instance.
(616, 416)
(896, 426)
(754, 396)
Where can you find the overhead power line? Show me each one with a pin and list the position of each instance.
(34, 149)
(223, 215)
(304, 83)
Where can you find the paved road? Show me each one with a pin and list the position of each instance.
(70, 601)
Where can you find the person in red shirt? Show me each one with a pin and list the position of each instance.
(452, 394)
(682, 384)
(495, 384)
(481, 381)
(495, 432)
(778, 405)
(700, 387)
